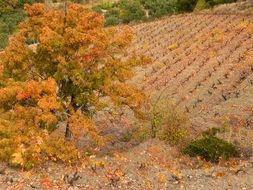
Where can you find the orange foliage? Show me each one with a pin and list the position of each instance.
(76, 61)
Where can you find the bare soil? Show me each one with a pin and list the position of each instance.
(204, 62)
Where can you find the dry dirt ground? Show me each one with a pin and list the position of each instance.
(204, 62)
(150, 166)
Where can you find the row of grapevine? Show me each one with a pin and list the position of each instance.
(199, 60)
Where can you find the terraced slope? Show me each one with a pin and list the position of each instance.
(202, 61)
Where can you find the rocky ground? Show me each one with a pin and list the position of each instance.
(151, 165)
(204, 63)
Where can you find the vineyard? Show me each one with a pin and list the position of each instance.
(202, 62)
(69, 130)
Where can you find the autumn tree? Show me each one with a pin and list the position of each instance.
(61, 79)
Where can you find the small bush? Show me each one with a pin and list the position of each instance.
(123, 11)
(186, 5)
(113, 12)
(106, 5)
(131, 11)
(167, 122)
(22, 2)
(211, 149)
(202, 5)
(97, 8)
(158, 8)
(205, 4)
(8, 25)
(112, 17)
(3, 40)
(141, 134)
(112, 21)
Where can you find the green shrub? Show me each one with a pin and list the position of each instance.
(204, 4)
(8, 25)
(22, 2)
(158, 8)
(97, 9)
(122, 12)
(186, 5)
(3, 40)
(131, 11)
(141, 134)
(106, 5)
(125, 11)
(112, 17)
(167, 122)
(115, 11)
(112, 21)
(211, 149)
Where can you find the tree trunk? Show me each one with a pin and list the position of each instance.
(68, 133)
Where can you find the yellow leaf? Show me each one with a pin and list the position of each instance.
(161, 178)
(17, 159)
(220, 174)
(243, 25)
(27, 175)
(173, 46)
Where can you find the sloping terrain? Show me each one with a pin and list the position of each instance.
(204, 62)
(242, 6)
(151, 166)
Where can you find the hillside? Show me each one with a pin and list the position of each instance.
(201, 61)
